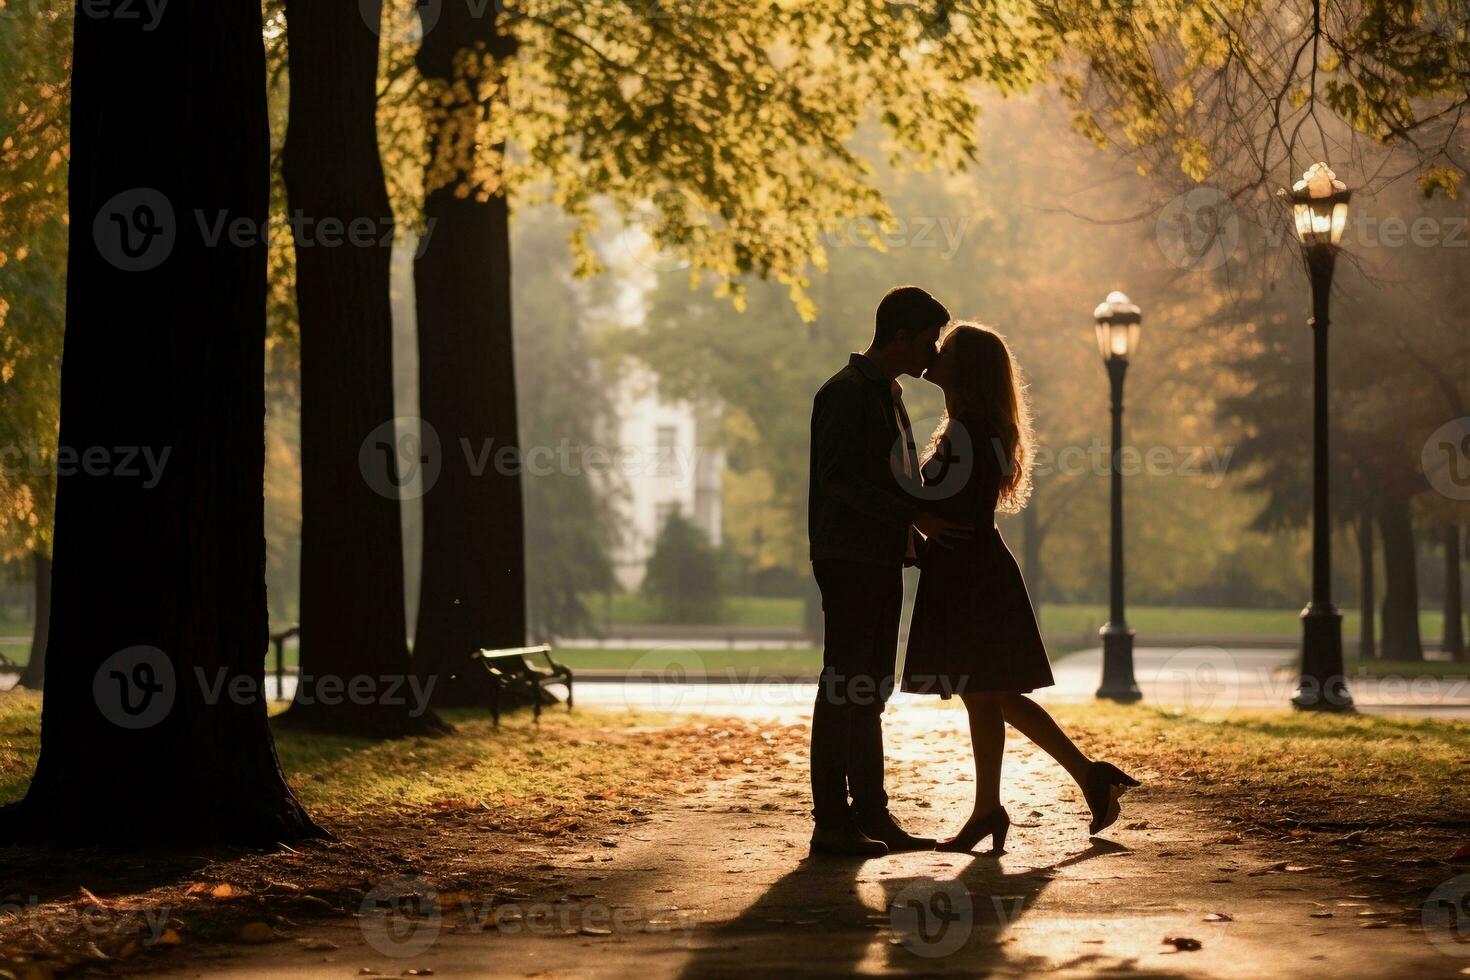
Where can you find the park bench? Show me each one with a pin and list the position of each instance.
(529, 678)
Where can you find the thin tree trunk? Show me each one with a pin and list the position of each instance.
(1401, 639)
(1031, 535)
(1454, 637)
(154, 727)
(1367, 640)
(473, 589)
(34, 675)
(352, 609)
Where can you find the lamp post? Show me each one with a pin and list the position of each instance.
(1118, 322)
(1319, 203)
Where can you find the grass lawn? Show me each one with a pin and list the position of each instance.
(14, 625)
(17, 653)
(343, 776)
(1399, 668)
(1154, 621)
(632, 608)
(1398, 763)
(667, 662)
(1379, 800)
(1161, 621)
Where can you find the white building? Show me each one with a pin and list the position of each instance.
(674, 465)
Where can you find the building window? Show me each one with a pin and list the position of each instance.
(668, 437)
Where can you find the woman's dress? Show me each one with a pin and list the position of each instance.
(973, 626)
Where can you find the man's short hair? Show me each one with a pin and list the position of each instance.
(907, 308)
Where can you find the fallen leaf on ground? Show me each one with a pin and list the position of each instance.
(256, 932)
(1184, 944)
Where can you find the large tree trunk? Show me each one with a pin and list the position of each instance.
(473, 589)
(1367, 641)
(154, 726)
(35, 673)
(352, 608)
(1401, 582)
(1454, 637)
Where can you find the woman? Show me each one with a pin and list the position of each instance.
(974, 633)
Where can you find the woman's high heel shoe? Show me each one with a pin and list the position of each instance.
(1106, 783)
(995, 824)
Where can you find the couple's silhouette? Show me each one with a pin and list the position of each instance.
(876, 505)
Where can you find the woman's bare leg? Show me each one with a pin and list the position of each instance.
(1033, 721)
(988, 739)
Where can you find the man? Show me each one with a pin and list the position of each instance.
(861, 522)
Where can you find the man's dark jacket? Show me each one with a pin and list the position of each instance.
(861, 501)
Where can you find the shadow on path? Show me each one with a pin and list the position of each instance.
(830, 916)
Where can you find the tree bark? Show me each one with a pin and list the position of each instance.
(1401, 639)
(1367, 627)
(473, 589)
(34, 676)
(154, 727)
(1454, 636)
(353, 622)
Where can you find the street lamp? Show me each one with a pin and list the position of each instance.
(1319, 203)
(1118, 322)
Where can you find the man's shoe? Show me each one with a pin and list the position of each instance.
(847, 840)
(883, 828)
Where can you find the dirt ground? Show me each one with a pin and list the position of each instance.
(709, 876)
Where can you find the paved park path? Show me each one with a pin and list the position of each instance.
(717, 882)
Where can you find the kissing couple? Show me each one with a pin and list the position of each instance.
(877, 505)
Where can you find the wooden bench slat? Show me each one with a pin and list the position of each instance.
(512, 652)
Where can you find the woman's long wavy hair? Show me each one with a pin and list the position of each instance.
(990, 392)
